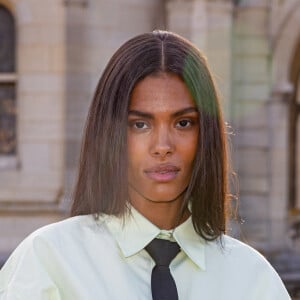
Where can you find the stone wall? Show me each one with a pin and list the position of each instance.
(251, 90)
(30, 192)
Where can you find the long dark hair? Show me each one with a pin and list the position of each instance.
(102, 185)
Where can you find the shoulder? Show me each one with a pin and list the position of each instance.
(66, 224)
(238, 248)
(244, 265)
(243, 260)
(238, 253)
(229, 260)
(72, 231)
(50, 253)
(54, 244)
(231, 254)
(60, 237)
(65, 227)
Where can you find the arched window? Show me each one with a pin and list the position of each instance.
(8, 116)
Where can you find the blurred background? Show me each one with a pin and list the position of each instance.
(52, 53)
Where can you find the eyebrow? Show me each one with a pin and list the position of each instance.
(151, 116)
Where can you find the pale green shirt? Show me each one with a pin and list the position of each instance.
(87, 259)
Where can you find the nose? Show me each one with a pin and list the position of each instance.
(162, 144)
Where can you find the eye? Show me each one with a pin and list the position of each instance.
(140, 125)
(184, 123)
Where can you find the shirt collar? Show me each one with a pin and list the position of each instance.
(134, 232)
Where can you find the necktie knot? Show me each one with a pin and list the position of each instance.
(162, 251)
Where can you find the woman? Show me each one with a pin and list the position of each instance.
(152, 182)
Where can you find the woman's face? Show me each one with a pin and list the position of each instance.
(163, 130)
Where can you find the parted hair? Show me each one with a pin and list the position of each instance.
(102, 182)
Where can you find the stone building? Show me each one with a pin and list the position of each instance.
(52, 53)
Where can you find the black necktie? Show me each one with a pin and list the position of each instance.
(162, 283)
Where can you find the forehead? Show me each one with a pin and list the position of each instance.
(162, 92)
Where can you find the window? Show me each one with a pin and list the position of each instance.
(8, 111)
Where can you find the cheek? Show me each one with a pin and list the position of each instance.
(189, 148)
(136, 152)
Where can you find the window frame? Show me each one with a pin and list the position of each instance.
(8, 162)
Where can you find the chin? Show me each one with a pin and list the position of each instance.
(164, 197)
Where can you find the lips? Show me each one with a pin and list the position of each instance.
(162, 172)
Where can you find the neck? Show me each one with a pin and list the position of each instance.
(165, 215)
